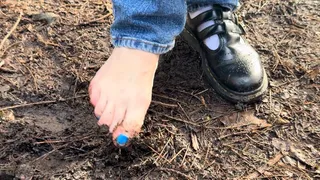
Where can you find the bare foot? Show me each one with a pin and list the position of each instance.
(121, 91)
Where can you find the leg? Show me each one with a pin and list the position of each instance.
(121, 89)
(231, 66)
(147, 25)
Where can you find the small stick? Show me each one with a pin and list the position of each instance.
(201, 92)
(175, 156)
(206, 157)
(50, 142)
(190, 94)
(160, 155)
(62, 141)
(235, 141)
(41, 102)
(210, 119)
(166, 97)
(184, 112)
(185, 155)
(180, 120)
(175, 171)
(233, 134)
(174, 118)
(10, 32)
(96, 20)
(6, 49)
(44, 155)
(2, 13)
(7, 70)
(164, 104)
(157, 153)
(48, 153)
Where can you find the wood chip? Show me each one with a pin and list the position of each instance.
(203, 101)
(1, 63)
(194, 141)
(280, 120)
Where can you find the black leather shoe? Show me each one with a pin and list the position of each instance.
(234, 70)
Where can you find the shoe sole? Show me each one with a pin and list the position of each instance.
(211, 78)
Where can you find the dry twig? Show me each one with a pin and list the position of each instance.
(41, 103)
(174, 118)
(164, 104)
(9, 34)
(96, 20)
(164, 147)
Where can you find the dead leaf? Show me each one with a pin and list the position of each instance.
(280, 145)
(251, 118)
(263, 169)
(4, 88)
(300, 152)
(313, 74)
(46, 42)
(194, 141)
(47, 16)
(303, 157)
(7, 115)
(246, 118)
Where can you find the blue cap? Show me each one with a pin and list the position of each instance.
(122, 139)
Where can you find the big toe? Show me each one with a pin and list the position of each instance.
(130, 127)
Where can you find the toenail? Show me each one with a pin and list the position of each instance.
(122, 139)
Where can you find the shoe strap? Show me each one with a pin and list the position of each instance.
(218, 15)
(215, 14)
(220, 28)
(211, 30)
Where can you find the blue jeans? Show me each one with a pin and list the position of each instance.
(152, 25)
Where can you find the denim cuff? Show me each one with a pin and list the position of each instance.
(231, 4)
(140, 44)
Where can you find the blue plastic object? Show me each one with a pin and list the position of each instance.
(122, 139)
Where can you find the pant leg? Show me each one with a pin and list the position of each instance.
(193, 5)
(148, 25)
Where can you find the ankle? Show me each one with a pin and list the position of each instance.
(135, 59)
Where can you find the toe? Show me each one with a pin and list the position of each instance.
(119, 115)
(100, 106)
(94, 94)
(132, 123)
(107, 115)
(121, 136)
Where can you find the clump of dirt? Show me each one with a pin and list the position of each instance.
(51, 49)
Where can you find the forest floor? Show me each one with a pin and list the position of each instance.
(50, 50)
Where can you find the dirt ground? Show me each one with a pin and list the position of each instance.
(50, 51)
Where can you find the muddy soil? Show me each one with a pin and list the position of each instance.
(47, 127)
